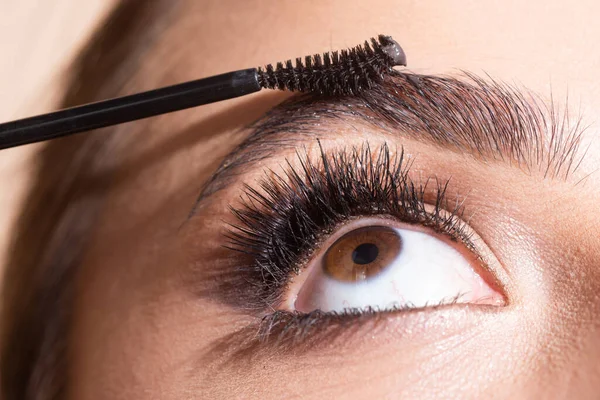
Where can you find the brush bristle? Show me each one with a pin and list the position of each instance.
(347, 72)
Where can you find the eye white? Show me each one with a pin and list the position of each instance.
(427, 271)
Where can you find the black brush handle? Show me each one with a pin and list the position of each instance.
(128, 108)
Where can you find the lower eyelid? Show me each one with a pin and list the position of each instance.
(282, 332)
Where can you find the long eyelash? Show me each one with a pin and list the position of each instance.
(280, 223)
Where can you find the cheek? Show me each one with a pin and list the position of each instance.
(134, 338)
(136, 328)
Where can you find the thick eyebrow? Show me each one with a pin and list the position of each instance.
(487, 119)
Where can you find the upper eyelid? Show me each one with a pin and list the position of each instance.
(488, 120)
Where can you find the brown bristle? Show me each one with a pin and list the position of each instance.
(343, 73)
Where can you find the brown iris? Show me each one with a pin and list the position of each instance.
(362, 253)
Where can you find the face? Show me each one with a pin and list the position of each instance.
(389, 246)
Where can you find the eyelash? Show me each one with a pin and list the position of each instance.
(283, 221)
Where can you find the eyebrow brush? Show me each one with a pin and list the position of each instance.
(333, 74)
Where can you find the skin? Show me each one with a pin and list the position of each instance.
(61, 28)
(140, 332)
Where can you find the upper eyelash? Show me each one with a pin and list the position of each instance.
(280, 222)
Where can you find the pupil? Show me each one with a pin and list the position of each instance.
(365, 253)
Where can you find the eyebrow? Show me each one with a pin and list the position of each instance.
(486, 119)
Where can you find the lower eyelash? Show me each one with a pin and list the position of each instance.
(280, 222)
(282, 332)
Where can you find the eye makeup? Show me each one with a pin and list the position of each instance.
(280, 224)
(285, 218)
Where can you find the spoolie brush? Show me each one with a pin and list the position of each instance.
(347, 72)
(333, 74)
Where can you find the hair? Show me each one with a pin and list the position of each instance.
(55, 221)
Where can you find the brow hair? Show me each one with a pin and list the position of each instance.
(487, 119)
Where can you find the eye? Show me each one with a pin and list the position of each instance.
(389, 267)
(350, 232)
